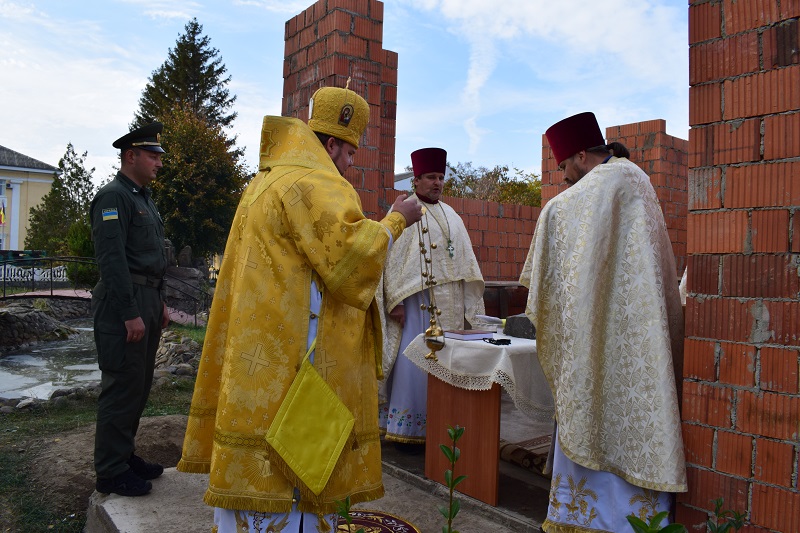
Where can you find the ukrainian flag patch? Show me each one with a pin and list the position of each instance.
(110, 213)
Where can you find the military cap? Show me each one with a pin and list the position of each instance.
(147, 138)
(573, 134)
(338, 112)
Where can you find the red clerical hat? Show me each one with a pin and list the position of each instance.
(573, 134)
(427, 160)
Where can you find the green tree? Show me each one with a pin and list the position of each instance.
(80, 244)
(198, 189)
(66, 203)
(191, 78)
(495, 185)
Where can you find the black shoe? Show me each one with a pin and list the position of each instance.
(125, 484)
(143, 469)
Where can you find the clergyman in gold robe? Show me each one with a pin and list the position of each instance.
(300, 271)
(603, 295)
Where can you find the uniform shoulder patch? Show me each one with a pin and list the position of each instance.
(110, 213)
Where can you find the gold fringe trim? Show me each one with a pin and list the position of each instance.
(193, 467)
(552, 527)
(269, 503)
(249, 503)
(330, 507)
(313, 503)
(404, 440)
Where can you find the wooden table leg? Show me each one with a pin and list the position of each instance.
(479, 413)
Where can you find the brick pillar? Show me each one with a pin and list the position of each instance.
(664, 159)
(327, 43)
(741, 398)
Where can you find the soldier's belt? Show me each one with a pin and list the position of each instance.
(147, 281)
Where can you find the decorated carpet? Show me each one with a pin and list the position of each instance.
(529, 454)
(376, 522)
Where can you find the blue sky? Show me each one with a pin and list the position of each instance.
(481, 79)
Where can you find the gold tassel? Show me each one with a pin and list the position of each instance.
(322, 525)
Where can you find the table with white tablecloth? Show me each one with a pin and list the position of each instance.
(464, 389)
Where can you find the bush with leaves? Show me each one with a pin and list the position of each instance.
(79, 244)
(495, 185)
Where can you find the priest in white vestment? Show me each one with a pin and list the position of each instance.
(403, 298)
(603, 295)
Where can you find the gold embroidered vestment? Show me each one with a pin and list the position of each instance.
(298, 220)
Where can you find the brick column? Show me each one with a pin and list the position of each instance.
(741, 400)
(664, 159)
(327, 43)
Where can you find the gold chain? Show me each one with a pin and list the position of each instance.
(434, 336)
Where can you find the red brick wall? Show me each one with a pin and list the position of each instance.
(741, 392)
(326, 44)
(663, 157)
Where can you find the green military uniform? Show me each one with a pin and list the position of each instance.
(128, 236)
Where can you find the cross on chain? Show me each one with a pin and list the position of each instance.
(255, 359)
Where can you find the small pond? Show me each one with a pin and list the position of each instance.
(38, 370)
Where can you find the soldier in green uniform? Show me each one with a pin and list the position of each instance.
(129, 309)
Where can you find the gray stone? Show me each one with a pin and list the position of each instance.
(27, 403)
(185, 257)
(519, 326)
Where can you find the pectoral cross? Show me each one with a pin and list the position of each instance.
(450, 247)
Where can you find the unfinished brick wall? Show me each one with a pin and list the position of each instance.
(741, 399)
(663, 157)
(336, 39)
(329, 42)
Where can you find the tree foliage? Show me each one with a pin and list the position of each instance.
(191, 78)
(198, 189)
(495, 185)
(65, 204)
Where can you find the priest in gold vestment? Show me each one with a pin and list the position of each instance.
(603, 295)
(299, 274)
(458, 293)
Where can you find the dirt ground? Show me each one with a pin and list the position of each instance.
(63, 466)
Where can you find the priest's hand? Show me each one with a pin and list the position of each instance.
(409, 208)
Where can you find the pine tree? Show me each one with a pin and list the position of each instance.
(67, 202)
(191, 78)
(198, 189)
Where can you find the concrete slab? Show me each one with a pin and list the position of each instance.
(176, 503)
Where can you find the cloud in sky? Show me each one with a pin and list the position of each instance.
(567, 43)
(484, 80)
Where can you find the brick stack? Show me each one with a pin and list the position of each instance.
(664, 159)
(329, 42)
(741, 401)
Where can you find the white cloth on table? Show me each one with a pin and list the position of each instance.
(477, 365)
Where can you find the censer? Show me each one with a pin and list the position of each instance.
(434, 335)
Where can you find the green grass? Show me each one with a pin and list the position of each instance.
(196, 333)
(22, 506)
